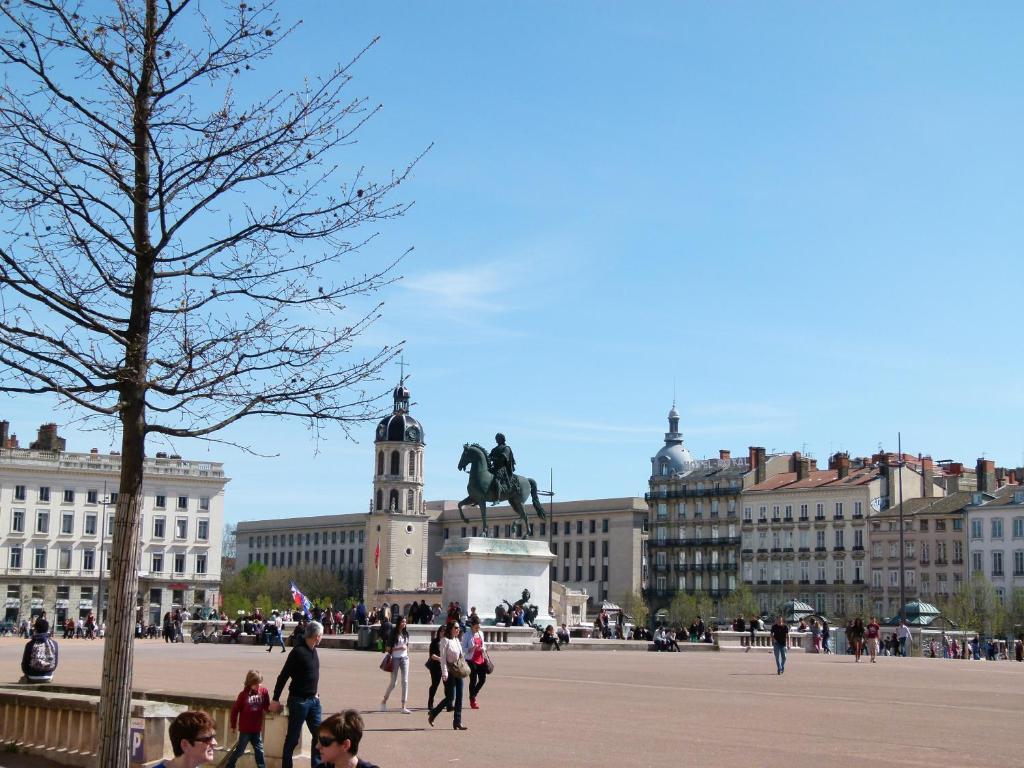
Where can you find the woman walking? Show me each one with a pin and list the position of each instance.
(475, 650)
(855, 634)
(398, 646)
(453, 669)
(433, 665)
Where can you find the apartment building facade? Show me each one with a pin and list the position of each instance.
(995, 536)
(56, 523)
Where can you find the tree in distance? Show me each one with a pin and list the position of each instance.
(175, 255)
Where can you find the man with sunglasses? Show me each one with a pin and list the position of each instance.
(303, 667)
(192, 736)
(339, 739)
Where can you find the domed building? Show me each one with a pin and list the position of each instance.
(397, 530)
(673, 457)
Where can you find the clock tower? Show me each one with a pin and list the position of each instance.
(396, 534)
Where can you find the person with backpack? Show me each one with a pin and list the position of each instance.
(39, 661)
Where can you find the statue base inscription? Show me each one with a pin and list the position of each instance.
(492, 573)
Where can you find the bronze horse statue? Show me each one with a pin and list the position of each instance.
(482, 488)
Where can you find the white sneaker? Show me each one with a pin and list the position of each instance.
(406, 711)
(384, 706)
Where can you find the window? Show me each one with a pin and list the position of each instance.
(997, 564)
(839, 509)
(819, 511)
(203, 530)
(1018, 563)
(183, 502)
(762, 513)
(179, 563)
(158, 562)
(803, 511)
(91, 496)
(839, 539)
(894, 549)
(15, 561)
(894, 577)
(579, 527)
(1018, 527)
(19, 493)
(69, 496)
(958, 552)
(924, 553)
(160, 502)
(64, 560)
(821, 571)
(204, 503)
(923, 525)
(44, 493)
(200, 563)
(819, 539)
(805, 570)
(158, 527)
(42, 521)
(113, 498)
(839, 570)
(395, 462)
(858, 509)
(67, 522)
(17, 520)
(858, 539)
(604, 525)
(997, 527)
(975, 561)
(940, 525)
(975, 529)
(40, 563)
(747, 511)
(593, 526)
(908, 547)
(804, 539)
(181, 528)
(876, 577)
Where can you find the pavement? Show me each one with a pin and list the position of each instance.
(609, 708)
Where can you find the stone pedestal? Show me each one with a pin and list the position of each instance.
(482, 572)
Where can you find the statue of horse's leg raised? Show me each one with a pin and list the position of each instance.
(467, 500)
(483, 514)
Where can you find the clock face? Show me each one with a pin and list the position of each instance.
(412, 433)
(380, 431)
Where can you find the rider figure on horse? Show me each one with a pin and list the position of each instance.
(502, 464)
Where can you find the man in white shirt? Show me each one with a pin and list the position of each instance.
(905, 638)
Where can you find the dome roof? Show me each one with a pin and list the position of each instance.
(675, 457)
(673, 414)
(399, 426)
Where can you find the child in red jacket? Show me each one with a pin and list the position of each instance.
(247, 718)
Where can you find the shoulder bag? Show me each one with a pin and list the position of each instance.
(387, 664)
(459, 668)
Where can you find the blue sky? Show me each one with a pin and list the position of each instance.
(803, 216)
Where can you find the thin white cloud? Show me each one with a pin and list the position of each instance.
(479, 288)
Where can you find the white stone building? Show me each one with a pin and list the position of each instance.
(54, 506)
(995, 537)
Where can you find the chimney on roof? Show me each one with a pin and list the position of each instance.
(724, 455)
(927, 477)
(1000, 477)
(5, 428)
(48, 440)
(758, 459)
(841, 463)
(803, 466)
(986, 470)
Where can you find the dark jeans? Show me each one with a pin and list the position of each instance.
(477, 678)
(244, 740)
(302, 712)
(274, 636)
(435, 680)
(453, 696)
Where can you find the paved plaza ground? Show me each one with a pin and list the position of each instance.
(605, 708)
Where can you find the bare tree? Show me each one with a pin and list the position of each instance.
(171, 252)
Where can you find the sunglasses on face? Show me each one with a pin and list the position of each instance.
(326, 741)
(205, 739)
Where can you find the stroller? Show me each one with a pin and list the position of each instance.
(206, 633)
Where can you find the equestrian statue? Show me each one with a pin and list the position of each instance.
(491, 479)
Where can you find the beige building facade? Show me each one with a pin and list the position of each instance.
(56, 523)
(805, 533)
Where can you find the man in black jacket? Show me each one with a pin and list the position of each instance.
(303, 667)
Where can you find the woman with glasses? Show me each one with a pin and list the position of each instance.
(339, 739)
(451, 655)
(193, 739)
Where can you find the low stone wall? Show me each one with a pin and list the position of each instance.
(728, 640)
(61, 724)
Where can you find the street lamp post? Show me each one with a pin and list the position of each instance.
(549, 494)
(103, 528)
(899, 465)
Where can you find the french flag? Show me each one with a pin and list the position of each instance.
(300, 600)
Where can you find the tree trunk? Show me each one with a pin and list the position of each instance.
(118, 649)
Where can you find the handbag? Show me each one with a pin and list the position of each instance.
(459, 669)
(489, 663)
(387, 664)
